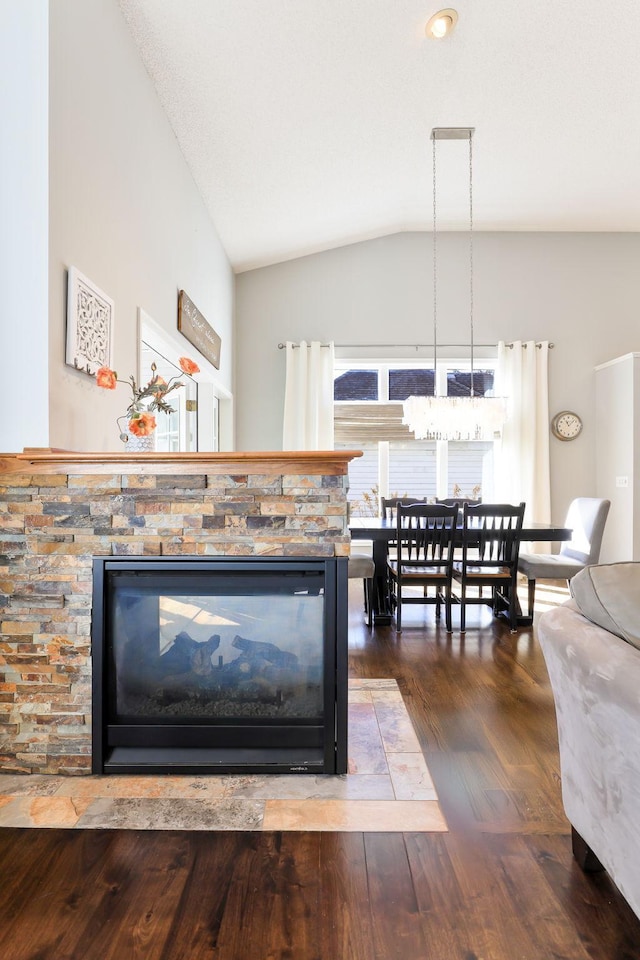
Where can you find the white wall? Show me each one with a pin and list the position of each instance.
(124, 210)
(23, 224)
(580, 291)
(618, 448)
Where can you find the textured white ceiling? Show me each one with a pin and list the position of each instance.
(306, 123)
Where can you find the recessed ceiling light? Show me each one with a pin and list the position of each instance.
(441, 24)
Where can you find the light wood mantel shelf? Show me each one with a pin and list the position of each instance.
(44, 461)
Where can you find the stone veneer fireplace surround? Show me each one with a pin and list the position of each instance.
(59, 510)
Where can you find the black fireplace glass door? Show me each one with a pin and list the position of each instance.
(186, 648)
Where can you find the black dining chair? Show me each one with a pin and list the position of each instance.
(458, 502)
(490, 547)
(425, 535)
(389, 511)
(389, 505)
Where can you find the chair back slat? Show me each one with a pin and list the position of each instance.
(492, 533)
(425, 532)
(389, 505)
(458, 502)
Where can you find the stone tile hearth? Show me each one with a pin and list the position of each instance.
(388, 788)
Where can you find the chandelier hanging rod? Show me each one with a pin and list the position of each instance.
(441, 416)
(413, 346)
(452, 133)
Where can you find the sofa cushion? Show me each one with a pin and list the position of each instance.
(608, 594)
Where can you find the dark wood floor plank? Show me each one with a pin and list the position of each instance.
(605, 925)
(139, 886)
(346, 924)
(441, 902)
(199, 914)
(396, 922)
(495, 927)
(142, 883)
(273, 904)
(26, 856)
(297, 898)
(550, 928)
(53, 906)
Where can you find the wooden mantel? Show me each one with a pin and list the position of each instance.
(271, 462)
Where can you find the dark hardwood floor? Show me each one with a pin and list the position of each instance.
(500, 885)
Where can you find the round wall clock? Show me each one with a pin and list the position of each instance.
(566, 425)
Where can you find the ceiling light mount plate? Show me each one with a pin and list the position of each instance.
(452, 133)
(441, 24)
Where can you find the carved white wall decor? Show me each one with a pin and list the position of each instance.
(89, 325)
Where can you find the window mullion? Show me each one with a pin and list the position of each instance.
(383, 382)
(383, 445)
(441, 380)
(442, 469)
(383, 468)
(442, 446)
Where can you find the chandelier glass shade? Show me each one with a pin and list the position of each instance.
(475, 417)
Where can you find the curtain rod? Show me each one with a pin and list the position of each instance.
(413, 346)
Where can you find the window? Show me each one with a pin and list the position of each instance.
(356, 385)
(177, 430)
(368, 416)
(202, 405)
(411, 383)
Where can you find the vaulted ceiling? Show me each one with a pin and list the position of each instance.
(306, 123)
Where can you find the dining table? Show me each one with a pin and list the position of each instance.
(381, 530)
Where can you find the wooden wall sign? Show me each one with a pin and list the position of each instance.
(195, 328)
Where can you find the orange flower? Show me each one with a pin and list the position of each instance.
(145, 400)
(159, 384)
(188, 366)
(105, 377)
(143, 426)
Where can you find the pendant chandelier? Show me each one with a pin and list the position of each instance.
(475, 417)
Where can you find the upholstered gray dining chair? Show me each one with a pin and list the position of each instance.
(362, 567)
(586, 518)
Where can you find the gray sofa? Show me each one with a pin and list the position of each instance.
(591, 648)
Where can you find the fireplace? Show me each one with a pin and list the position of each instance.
(228, 665)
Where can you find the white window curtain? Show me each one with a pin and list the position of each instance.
(308, 396)
(522, 457)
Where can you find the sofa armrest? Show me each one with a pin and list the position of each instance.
(595, 677)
